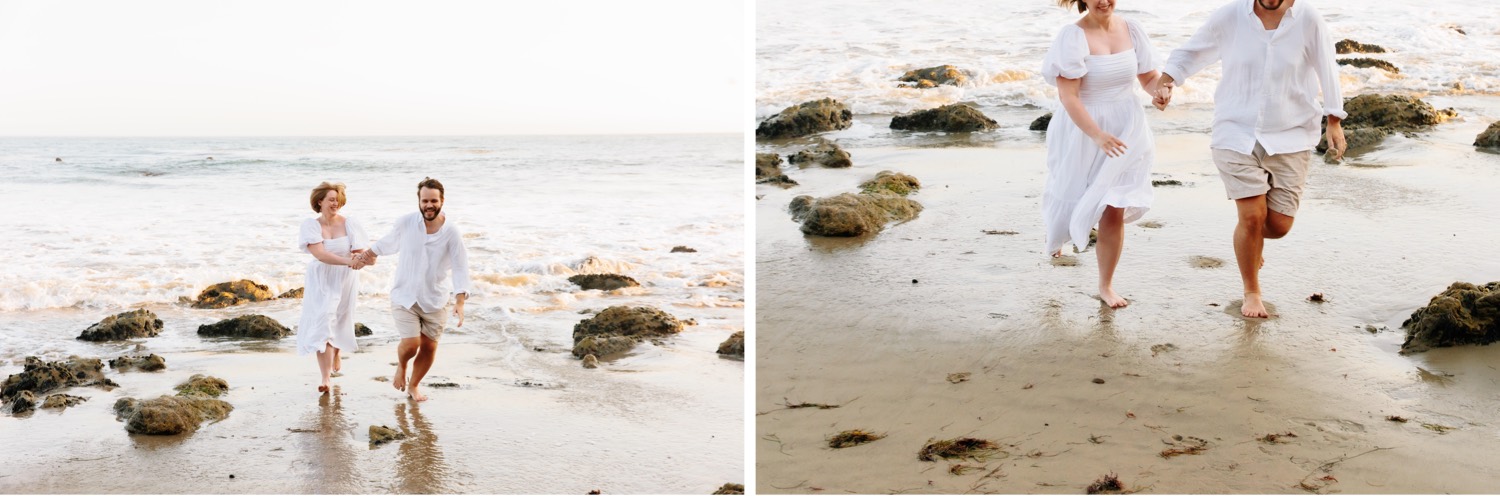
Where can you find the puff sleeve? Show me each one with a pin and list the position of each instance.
(311, 233)
(1065, 57)
(1145, 56)
(358, 240)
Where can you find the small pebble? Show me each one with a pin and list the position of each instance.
(913, 281)
(1098, 380)
(231, 476)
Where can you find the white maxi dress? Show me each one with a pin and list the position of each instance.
(328, 295)
(1081, 179)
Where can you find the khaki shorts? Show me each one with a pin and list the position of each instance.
(1279, 177)
(413, 321)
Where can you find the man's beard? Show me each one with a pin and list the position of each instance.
(1264, 6)
(430, 214)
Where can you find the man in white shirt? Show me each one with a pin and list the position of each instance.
(430, 248)
(1278, 56)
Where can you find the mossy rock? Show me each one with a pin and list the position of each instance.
(731, 488)
(62, 401)
(734, 346)
(1366, 62)
(168, 415)
(891, 182)
(953, 118)
(42, 377)
(380, 434)
(22, 402)
(202, 385)
(1041, 123)
(361, 330)
(246, 326)
(848, 214)
(1348, 46)
(932, 77)
(805, 119)
(148, 363)
(1460, 315)
(825, 154)
(1490, 138)
(228, 294)
(291, 294)
(128, 325)
(618, 328)
(603, 282)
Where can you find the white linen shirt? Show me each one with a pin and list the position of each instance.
(1270, 88)
(422, 271)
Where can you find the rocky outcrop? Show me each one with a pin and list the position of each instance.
(62, 401)
(891, 182)
(849, 214)
(1462, 314)
(1366, 62)
(603, 282)
(1041, 123)
(361, 330)
(954, 118)
(618, 328)
(228, 294)
(203, 386)
(148, 363)
(23, 402)
(731, 488)
(128, 325)
(41, 377)
(1372, 117)
(290, 294)
(825, 154)
(931, 77)
(734, 346)
(168, 415)
(768, 171)
(1490, 138)
(380, 434)
(1348, 46)
(245, 326)
(808, 118)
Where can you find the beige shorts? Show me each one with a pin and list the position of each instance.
(413, 321)
(1279, 177)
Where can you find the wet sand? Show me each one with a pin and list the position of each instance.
(877, 324)
(525, 417)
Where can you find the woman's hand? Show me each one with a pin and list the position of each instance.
(1111, 145)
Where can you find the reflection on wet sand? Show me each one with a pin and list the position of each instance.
(330, 449)
(420, 467)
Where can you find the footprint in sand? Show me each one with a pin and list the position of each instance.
(1150, 224)
(1202, 262)
(1065, 261)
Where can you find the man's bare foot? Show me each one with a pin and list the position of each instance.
(1253, 307)
(1111, 298)
(400, 380)
(414, 395)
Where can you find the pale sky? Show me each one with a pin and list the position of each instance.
(284, 68)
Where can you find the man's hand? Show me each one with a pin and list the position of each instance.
(1161, 93)
(357, 260)
(458, 308)
(1336, 143)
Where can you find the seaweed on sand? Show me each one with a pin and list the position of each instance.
(853, 437)
(965, 447)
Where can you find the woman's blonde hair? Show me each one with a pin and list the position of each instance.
(1082, 7)
(322, 190)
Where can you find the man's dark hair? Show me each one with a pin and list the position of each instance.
(430, 183)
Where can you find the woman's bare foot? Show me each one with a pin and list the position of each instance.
(1057, 254)
(415, 396)
(337, 363)
(400, 380)
(323, 388)
(1112, 299)
(1253, 308)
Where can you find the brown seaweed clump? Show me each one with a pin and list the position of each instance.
(853, 437)
(1107, 484)
(964, 447)
(1462, 314)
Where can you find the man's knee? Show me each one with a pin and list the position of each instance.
(1277, 225)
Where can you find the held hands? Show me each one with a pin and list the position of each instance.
(1161, 92)
(361, 258)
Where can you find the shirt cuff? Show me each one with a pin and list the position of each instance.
(1176, 73)
(1340, 113)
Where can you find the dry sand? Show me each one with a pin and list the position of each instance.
(842, 322)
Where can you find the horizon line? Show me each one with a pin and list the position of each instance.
(698, 133)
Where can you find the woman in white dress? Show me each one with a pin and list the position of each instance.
(1099, 148)
(328, 297)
